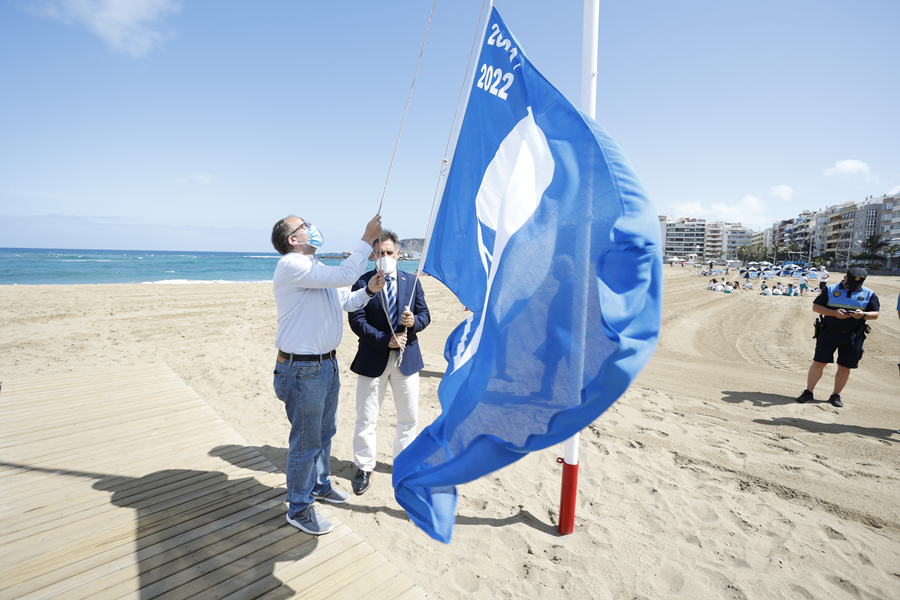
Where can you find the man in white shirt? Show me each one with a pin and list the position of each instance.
(823, 279)
(309, 297)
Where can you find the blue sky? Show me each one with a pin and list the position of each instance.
(175, 125)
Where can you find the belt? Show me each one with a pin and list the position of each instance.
(838, 330)
(285, 357)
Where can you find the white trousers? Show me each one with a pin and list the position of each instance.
(369, 397)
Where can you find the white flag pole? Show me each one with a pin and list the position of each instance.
(590, 40)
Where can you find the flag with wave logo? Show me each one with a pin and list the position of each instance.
(546, 234)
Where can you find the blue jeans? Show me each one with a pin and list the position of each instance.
(309, 391)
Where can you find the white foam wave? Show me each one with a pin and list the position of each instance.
(187, 281)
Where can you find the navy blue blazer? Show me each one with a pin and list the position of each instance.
(370, 324)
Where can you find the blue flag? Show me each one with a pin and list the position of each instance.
(546, 234)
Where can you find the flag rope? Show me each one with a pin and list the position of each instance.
(391, 167)
(445, 162)
(443, 170)
(405, 110)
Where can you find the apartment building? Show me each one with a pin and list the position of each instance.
(841, 228)
(736, 235)
(891, 206)
(868, 221)
(714, 243)
(762, 238)
(684, 236)
(708, 240)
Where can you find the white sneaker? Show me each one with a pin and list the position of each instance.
(311, 522)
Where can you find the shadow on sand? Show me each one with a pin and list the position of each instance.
(346, 469)
(887, 435)
(758, 399)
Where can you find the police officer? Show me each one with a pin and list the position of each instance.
(844, 307)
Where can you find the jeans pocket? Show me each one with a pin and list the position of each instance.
(279, 383)
(308, 370)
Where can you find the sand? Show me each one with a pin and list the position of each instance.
(705, 480)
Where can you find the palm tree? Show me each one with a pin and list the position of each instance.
(759, 252)
(891, 251)
(826, 257)
(782, 250)
(872, 247)
(793, 250)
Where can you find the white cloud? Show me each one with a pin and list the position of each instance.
(782, 191)
(693, 210)
(129, 26)
(849, 168)
(894, 190)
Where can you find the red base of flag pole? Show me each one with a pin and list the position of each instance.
(567, 497)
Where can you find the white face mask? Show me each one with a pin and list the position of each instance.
(386, 264)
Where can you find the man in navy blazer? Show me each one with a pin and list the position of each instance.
(388, 352)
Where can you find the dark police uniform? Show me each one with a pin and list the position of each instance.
(844, 335)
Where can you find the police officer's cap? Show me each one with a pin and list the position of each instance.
(856, 276)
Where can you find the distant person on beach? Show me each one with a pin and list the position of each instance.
(711, 285)
(804, 284)
(379, 361)
(823, 279)
(844, 307)
(309, 297)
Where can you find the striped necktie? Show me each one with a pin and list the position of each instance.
(392, 300)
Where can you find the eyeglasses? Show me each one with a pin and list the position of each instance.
(303, 226)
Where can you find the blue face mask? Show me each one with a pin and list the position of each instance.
(315, 236)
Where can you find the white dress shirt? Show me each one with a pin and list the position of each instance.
(310, 296)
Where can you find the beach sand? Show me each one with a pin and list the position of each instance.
(705, 480)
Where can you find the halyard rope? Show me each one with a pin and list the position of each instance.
(445, 162)
(442, 171)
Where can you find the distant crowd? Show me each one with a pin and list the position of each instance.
(776, 289)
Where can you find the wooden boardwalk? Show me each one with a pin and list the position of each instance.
(125, 484)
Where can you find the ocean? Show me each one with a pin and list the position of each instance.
(33, 266)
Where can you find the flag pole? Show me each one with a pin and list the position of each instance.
(590, 40)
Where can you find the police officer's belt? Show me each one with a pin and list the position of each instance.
(839, 330)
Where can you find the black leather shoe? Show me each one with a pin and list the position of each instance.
(836, 401)
(361, 482)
